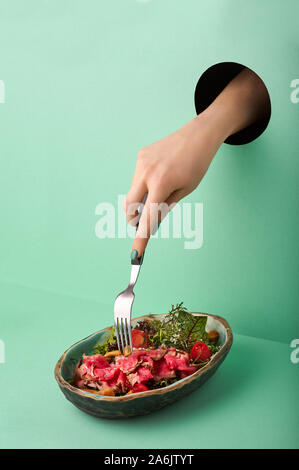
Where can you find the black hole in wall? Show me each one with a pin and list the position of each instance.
(211, 84)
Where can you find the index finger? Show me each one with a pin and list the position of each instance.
(153, 211)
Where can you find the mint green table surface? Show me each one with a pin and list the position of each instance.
(252, 400)
(87, 84)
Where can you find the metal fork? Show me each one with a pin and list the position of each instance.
(123, 305)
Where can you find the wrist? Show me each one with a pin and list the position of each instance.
(201, 137)
(214, 123)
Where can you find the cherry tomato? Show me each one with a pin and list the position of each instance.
(200, 352)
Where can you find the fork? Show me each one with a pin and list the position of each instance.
(123, 304)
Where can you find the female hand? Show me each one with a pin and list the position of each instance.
(171, 168)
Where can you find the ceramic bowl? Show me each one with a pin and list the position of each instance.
(143, 402)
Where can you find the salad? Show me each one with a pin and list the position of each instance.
(164, 351)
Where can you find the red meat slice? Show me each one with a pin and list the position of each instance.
(118, 381)
(97, 361)
(79, 373)
(106, 374)
(113, 378)
(122, 381)
(162, 371)
(86, 372)
(144, 374)
(188, 371)
(146, 361)
(171, 361)
(133, 378)
(132, 371)
(139, 388)
(156, 354)
(180, 362)
(179, 354)
(128, 364)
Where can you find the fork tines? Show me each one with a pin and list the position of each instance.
(123, 335)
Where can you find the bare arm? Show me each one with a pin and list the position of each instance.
(171, 168)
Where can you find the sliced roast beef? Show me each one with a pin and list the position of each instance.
(133, 378)
(187, 371)
(162, 371)
(78, 374)
(179, 362)
(140, 367)
(144, 374)
(119, 382)
(97, 360)
(146, 361)
(106, 374)
(156, 354)
(176, 362)
(128, 364)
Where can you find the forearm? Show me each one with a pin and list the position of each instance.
(171, 168)
(243, 101)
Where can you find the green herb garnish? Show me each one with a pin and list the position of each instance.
(179, 329)
(109, 344)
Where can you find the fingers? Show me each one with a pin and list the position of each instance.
(175, 197)
(153, 213)
(133, 200)
(153, 210)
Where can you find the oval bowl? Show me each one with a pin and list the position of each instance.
(143, 402)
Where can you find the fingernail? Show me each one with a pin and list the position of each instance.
(134, 254)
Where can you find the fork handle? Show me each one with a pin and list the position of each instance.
(138, 261)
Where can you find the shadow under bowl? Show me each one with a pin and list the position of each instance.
(143, 402)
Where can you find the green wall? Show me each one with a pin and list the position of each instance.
(87, 85)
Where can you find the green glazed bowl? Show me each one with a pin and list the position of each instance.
(143, 402)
